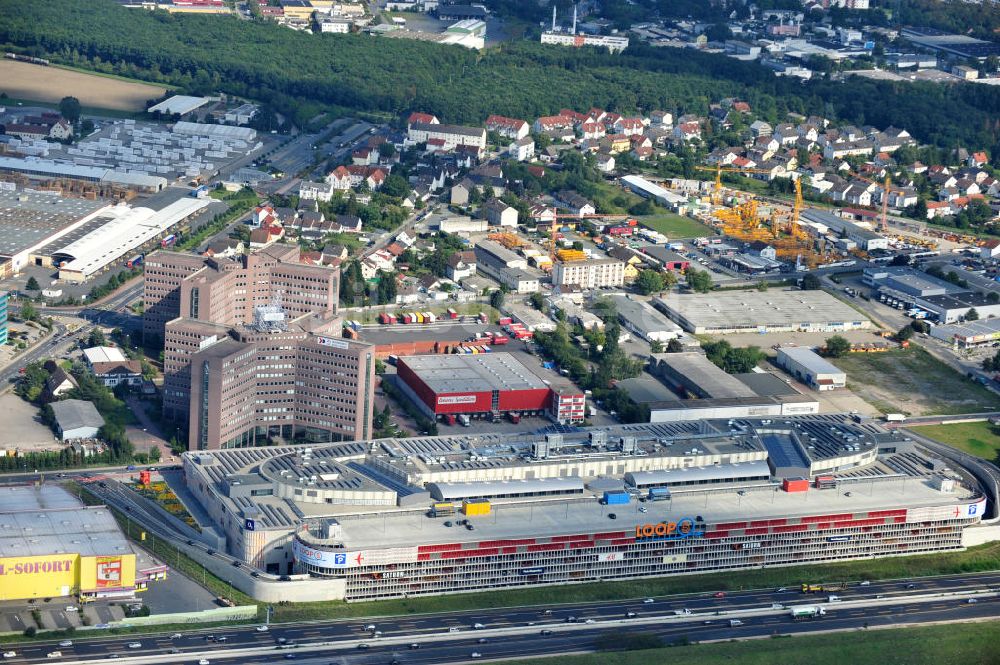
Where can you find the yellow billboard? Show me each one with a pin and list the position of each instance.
(47, 576)
(98, 573)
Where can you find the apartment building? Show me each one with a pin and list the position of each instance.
(446, 137)
(589, 274)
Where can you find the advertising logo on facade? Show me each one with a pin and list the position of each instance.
(335, 343)
(334, 559)
(109, 571)
(682, 528)
(457, 399)
(36, 567)
(953, 512)
(604, 557)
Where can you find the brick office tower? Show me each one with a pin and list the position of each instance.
(253, 349)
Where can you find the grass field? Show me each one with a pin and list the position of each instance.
(675, 226)
(977, 439)
(23, 80)
(913, 382)
(925, 645)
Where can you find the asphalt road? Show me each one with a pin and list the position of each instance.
(709, 621)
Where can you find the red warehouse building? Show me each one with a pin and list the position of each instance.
(487, 384)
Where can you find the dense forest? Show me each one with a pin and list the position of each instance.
(297, 71)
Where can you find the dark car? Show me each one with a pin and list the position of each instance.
(254, 573)
(415, 645)
(470, 527)
(236, 564)
(447, 523)
(190, 542)
(546, 632)
(363, 646)
(290, 656)
(284, 578)
(612, 516)
(211, 552)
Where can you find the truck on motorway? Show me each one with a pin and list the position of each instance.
(800, 612)
(894, 417)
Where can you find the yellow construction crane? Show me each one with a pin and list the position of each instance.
(719, 170)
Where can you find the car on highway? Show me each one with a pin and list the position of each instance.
(630, 615)
(478, 626)
(415, 645)
(719, 594)
(261, 629)
(865, 583)
(781, 589)
(971, 601)
(10, 654)
(483, 640)
(649, 601)
(176, 636)
(204, 661)
(364, 646)
(476, 654)
(54, 654)
(590, 621)
(66, 643)
(135, 645)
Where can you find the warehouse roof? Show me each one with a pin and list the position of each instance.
(104, 354)
(651, 189)
(642, 316)
(699, 474)
(44, 520)
(809, 359)
(49, 168)
(503, 488)
(481, 372)
(692, 368)
(179, 104)
(30, 218)
(74, 413)
(753, 310)
(127, 229)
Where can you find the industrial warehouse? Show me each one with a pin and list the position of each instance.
(485, 385)
(774, 311)
(52, 546)
(81, 237)
(495, 510)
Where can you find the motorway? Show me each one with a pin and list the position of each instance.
(450, 637)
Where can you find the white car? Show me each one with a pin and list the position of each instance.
(54, 654)
(176, 636)
(72, 608)
(204, 661)
(649, 601)
(866, 583)
(66, 643)
(261, 629)
(478, 626)
(476, 654)
(590, 621)
(10, 654)
(135, 645)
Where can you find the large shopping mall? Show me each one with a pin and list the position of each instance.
(431, 515)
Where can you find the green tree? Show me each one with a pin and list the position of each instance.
(96, 338)
(649, 281)
(836, 347)
(537, 300)
(656, 346)
(904, 333)
(972, 315)
(811, 283)
(32, 284)
(28, 312)
(497, 299)
(674, 346)
(69, 108)
(699, 281)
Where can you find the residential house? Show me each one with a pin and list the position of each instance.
(553, 122)
(510, 128)
(316, 191)
(661, 118)
(523, 149)
(629, 126)
(111, 367)
(687, 131)
(499, 213)
(339, 179)
(542, 214)
(59, 382)
(574, 203)
(605, 162)
(422, 118)
(592, 130)
(461, 265)
(760, 128)
(978, 159)
(460, 192)
(449, 136)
